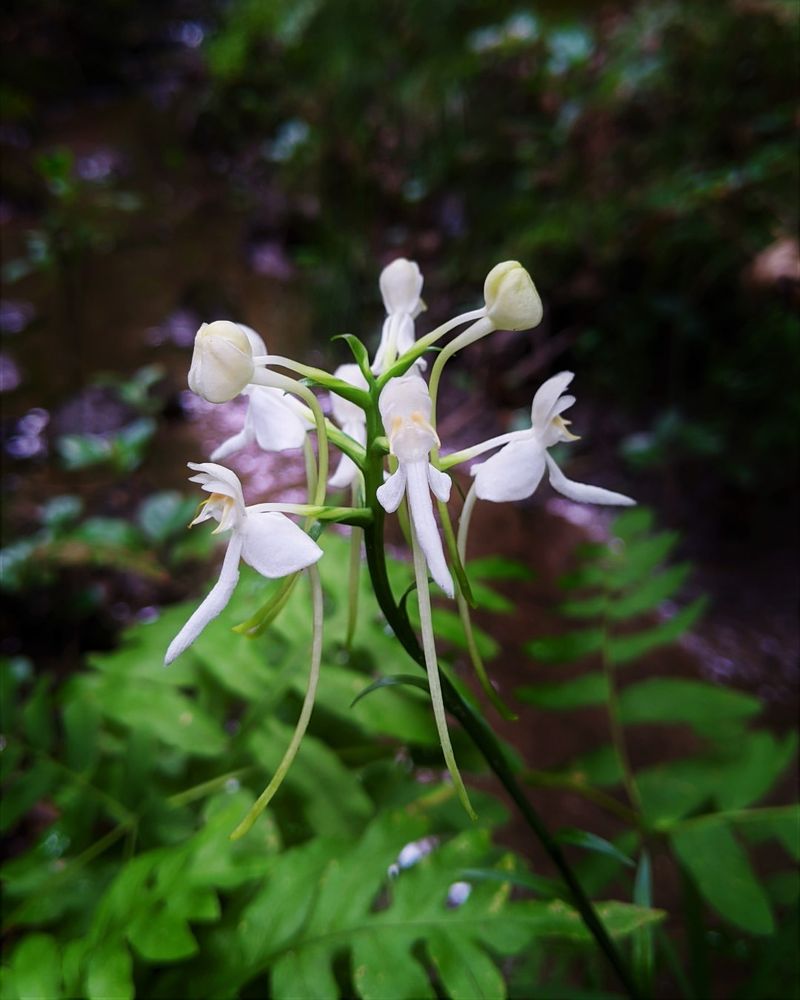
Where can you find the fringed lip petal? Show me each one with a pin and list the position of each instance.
(214, 602)
(513, 473)
(583, 493)
(275, 546)
(546, 398)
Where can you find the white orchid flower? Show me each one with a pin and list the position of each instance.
(405, 407)
(516, 470)
(401, 290)
(352, 420)
(222, 361)
(265, 538)
(273, 419)
(512, 302)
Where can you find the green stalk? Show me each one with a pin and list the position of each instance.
(463, 611)
(473, 724)
(266, 796)
(354, 573)
(616, 727)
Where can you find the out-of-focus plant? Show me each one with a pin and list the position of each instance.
(125, 448)
(80, 216)
(607, 147)
(123, 786)
(700, 809)
(152, 544)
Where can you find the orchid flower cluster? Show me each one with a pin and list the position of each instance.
(383, 421)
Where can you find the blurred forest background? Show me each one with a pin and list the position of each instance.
(168, 163)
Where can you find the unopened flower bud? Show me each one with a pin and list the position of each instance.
(401, 287)
(512, 302)
(222, 363)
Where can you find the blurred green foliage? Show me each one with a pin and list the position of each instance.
(637, 160)
(702, 808)
(640, 159)
(124, 785)
(121, 788)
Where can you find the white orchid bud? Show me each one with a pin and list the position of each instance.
(222, 363)
(512, 302)
(401, 287)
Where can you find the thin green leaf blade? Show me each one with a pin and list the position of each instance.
(719, 866)
(588, 689)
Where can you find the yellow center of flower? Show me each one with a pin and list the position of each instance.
(561, 426)
(218, 506)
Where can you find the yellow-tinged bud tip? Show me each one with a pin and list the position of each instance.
(512, 302)
(222, 363)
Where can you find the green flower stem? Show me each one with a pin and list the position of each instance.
(257, 623)
(478, 329)
(407, 359)
(457, 457)
(354, 574)
(206, 788)
(311, 468)
(358, 516)
(264, 799)
(463, 613)
(616, 727)
(432, 667)
(320, 377)
(343, 441)
(456, 562)
(544, 779)
(475, 727)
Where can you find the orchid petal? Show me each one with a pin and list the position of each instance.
(512, 474)
(274, 422)
(391, 493)
(217, 479)
(440, 483)
(346, 472)
(546, 398)
(344, 412)
(582, 493)
(215, 601)
(257, 345)
(404, 334)
(401, 286)
(387, 349)
(420, 508)
(561, 406)
(235, 443)
(275, 546)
